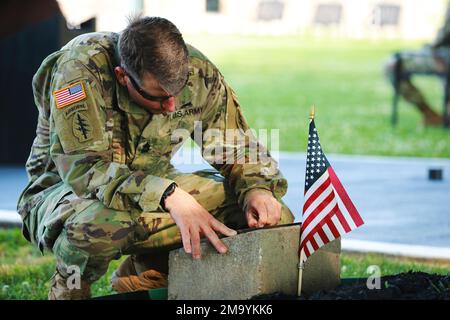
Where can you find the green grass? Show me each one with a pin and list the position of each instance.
(25, 273)
(354, 265)
(277, 79)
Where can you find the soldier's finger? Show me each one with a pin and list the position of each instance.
(262, 215)
(223, 229)
(251, 219)
(195, 242)
(214, 239)
(186, 239)
(272, 210)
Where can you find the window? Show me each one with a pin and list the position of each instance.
(212, 6)
(386, 15)
(270, 10)
(328, 14)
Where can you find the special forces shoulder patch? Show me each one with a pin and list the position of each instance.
(69, 95)
(81, 127)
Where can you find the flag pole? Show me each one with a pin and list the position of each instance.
(301, 264)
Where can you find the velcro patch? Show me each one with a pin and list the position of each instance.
(69, 95)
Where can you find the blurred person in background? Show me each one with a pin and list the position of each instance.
(431, 59)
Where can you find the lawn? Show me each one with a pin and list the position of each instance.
(277, 79)
(24, 272)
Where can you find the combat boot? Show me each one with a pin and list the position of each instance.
(60, 291)
(137, 273)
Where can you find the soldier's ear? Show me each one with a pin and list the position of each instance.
(120, 75)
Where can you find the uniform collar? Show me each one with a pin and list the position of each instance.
(124, 101)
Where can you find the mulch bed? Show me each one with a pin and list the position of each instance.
(403, 286)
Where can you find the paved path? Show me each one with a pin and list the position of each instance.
(397, 201)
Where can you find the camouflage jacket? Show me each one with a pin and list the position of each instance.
(103, 146)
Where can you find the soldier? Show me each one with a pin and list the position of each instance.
(101, 185)
(431, 59)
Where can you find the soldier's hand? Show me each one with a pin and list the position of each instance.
(194, 221)
(261, 208)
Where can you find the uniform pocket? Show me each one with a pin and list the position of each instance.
(31, 223)
(68, 204)
(45, 212)
(53, 224)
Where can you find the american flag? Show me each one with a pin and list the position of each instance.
(328, 211)
(69, 95)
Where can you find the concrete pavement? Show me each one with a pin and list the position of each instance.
(398, 202)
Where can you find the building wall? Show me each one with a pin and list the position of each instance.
(418, 19)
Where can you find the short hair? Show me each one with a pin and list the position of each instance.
(155, 45)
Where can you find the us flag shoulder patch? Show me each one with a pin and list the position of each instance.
(69, 95)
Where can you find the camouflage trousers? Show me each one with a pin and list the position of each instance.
(86, 234)
(400, 68)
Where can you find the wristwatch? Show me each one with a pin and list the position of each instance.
(170, 189)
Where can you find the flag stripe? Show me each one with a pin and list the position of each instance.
(333, 229)
(68, 94)
(313, 244)
(348, 218)
(322, 202)
(316, 193)
(322, 235)
(319, 217)
(318, 240)
(306, 236)
(344, 223)
(310, 248)
(338, 225)
(345, 198)
(307, 253)
(66, 102)
(327, 231)
(70, 98)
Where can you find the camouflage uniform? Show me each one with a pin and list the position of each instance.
(431, 59)
(99, 166)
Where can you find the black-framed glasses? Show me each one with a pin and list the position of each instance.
(145, 95)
